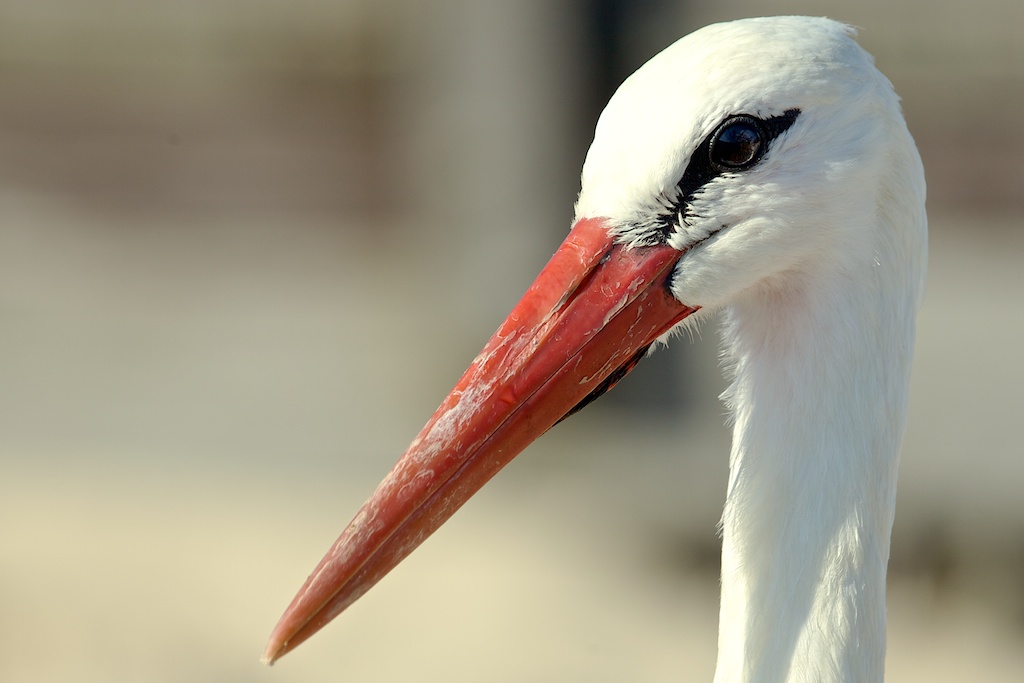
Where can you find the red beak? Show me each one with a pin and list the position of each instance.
(583, 324)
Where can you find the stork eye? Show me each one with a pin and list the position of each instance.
(737, 145)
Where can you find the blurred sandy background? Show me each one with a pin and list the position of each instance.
(247, 247)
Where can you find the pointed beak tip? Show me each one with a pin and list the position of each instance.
(277, 645)
(273, 652)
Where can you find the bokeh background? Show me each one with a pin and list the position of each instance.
(247, 246)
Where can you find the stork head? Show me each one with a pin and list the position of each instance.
(744, 151)
(754, 148)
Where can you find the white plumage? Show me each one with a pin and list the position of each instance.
(762, 169)
(820, 274)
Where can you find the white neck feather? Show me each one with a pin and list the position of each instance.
(822, 363)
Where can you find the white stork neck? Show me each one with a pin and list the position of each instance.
(822, 365)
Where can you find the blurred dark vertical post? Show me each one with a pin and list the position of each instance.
(613, 52)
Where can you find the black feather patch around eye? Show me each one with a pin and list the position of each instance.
(737, 144)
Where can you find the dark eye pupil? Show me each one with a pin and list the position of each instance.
(736, 145)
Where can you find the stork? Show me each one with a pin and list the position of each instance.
(760, 169)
